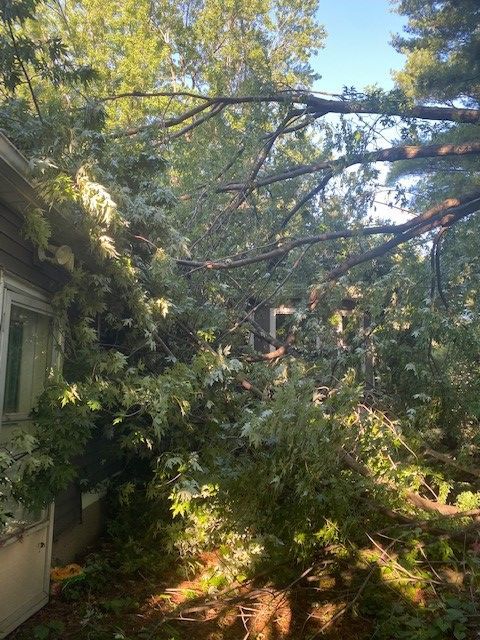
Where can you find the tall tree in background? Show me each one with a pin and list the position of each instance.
(442, 45)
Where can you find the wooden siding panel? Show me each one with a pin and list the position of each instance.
(15, 219)
(19, 257)
(262, 317)
(95, 465)
(68, 509)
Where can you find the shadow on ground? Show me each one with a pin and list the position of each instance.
(147, 605)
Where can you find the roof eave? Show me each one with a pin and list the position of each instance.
(17, 192)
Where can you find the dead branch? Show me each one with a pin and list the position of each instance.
(349, 605)
(446, 459)
(311, 105)
(416, 226)
(392, 154)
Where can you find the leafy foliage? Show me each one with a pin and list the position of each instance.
(260, 457)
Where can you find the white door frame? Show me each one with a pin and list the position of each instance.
(40, 533)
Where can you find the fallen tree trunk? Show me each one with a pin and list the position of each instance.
(414, 498)
(443, 457)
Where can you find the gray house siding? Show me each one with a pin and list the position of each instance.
(29, 283)
(19, 257)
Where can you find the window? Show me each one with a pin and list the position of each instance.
(26, 358)
(29, 352)
(279, 320)
(274, 322)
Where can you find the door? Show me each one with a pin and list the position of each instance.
(26, 358)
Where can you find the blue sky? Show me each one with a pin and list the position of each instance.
(357, 51)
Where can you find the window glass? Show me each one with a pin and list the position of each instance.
(28, 359)
(281, 322)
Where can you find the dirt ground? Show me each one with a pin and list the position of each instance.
(149, 604)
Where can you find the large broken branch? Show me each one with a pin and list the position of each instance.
(448, 213)
(392, 154)
(414, 498)
(445, 213)
(310, 103)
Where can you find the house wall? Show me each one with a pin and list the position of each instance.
(25, 553)
(70, 542)
(19, 257)
(80, 514)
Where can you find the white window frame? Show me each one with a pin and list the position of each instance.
(15, 291)
(25, 302)
(272, 323)
(282, 310)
